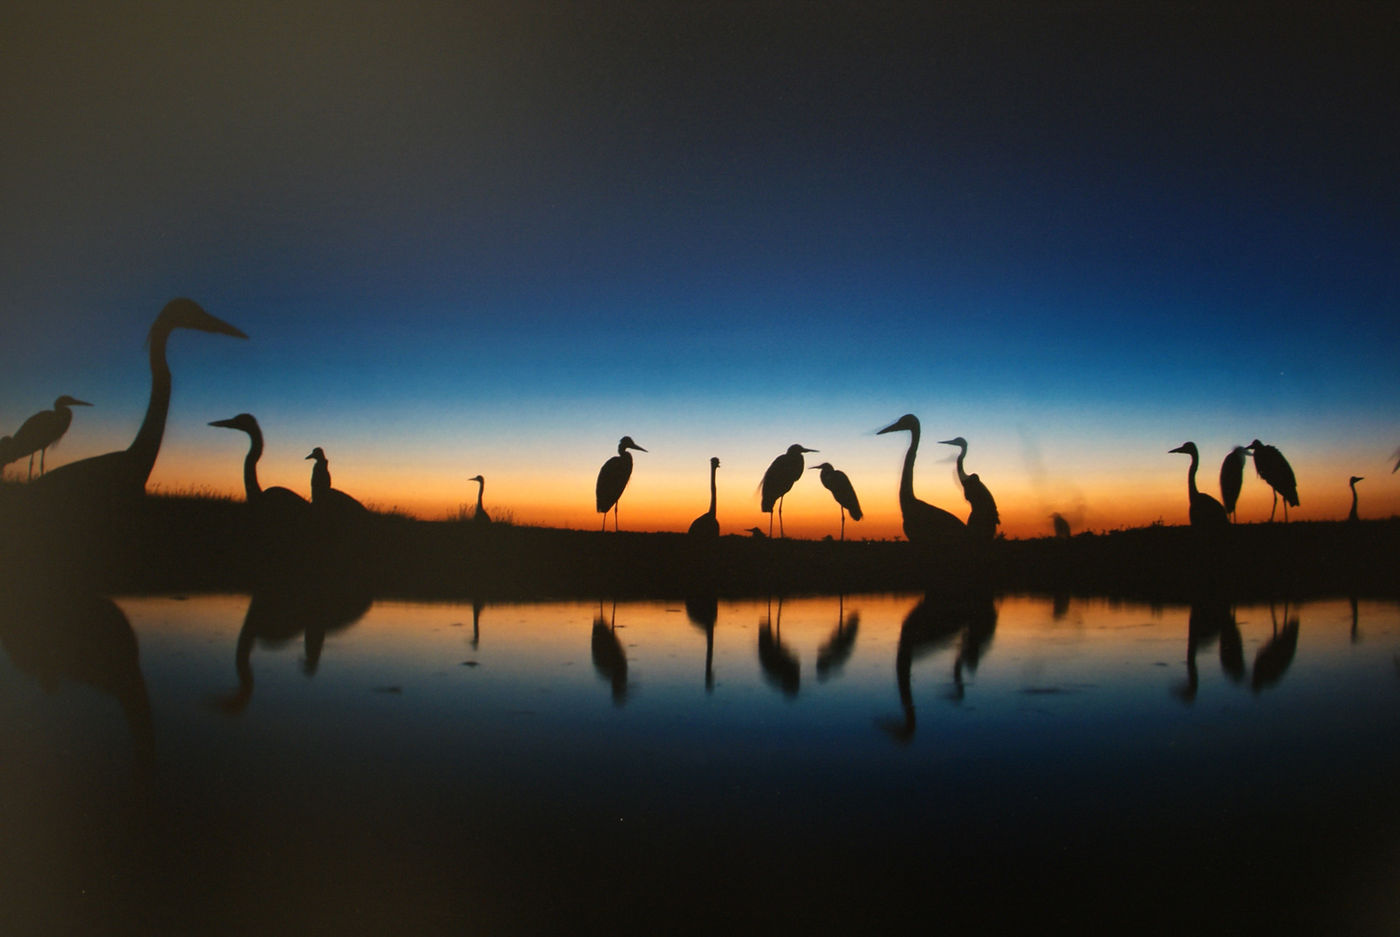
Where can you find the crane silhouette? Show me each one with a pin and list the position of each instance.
(1353, 516)
(121, 476)
(1274, 469)
(982, 520)
(276, 502)
(1206, 513)
(778, 481)
(706, 526)
(923, 523)
(1232, 478)
(612, 479)
(330, 501)
(480, 517)
(42, 430)
(836, 482)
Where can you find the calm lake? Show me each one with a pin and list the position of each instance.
(809, 764)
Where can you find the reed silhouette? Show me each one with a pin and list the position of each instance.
(839, 646)
(40, 432)
(1060, 526)
(96, 484)
(276, 506)
(778, 480)
(1206, 513)
(982, 520)
(331, 503)
(1273, 659)
(1232, 478)
(1271, 466)
(609, 657)
(1353, 516)
(836, 482)
(480, 517)
(612, 479)
(923, 523)
(706, 526)
(1211, 619)
(779, 664)
(703, 612)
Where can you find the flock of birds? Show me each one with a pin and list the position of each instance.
(122, 475)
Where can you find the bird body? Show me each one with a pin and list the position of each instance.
(706, 526)
(42, 430)
(1232, 478)
(778, 480)
(837, 482)
(1205, 512)
(480, 517)
(612, 479)
(1271, 466)
(1353, 516)
(982, 520)
(923, 523)
(330, 500)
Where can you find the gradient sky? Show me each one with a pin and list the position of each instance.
(494, 237)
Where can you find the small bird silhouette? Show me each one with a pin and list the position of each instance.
(612, 479)
(332, 502)
(1060, 526)
(480, 517)
(1271, 466)
(1232, 478)
(782, 474)
(836, 482)
(42, 430)
(923, 523)
(1206, 513)
(706, 526)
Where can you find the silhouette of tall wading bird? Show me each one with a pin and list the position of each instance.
(1060, 526)
(836, 482)
(1206, 513)
(706, 526)
(480, 517)
(778, 481)
(1353, 516)
(1274, 469)
(42, 430)
(612, 479)
(330, 500)
(122, 475)
(276, 502)
(982, 520)
(923, 523)
(1232, 478)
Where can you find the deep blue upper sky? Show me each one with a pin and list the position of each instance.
(482, 232)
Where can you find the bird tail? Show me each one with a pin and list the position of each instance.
(856, 513)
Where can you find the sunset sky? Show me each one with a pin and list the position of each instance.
(494, 237)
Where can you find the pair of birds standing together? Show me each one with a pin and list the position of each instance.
(1207, 513)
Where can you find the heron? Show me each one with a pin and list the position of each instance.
(268, 502)
(1271, 466)
(480, 517)
(982, 520)
(327, 499)
(706, 526)
(756, 533)
(1206, 513)
(1232, 478)
(836, 482)
(1060, 526)
(923, 523)
(1354, 479)
(122, 475)
(609, 657)
(612, 479)
(778, 481)
(42, 430)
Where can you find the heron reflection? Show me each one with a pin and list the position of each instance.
(1274, 658)
(703, 611)
(1211, 619)
(832, 655)
(933, 625)
(780, 665)
(609, 657)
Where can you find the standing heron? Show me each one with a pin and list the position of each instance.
(1060, 526)
(612, 479)
(1206, 513)
(1274, 469)
(122, 475)
(982, 520)
(42, 430)
(480, 517)
(327, 499)
(923, 523)
(706, 526)
(1354, 479)
(836, 482)
(778, 481)
(1232, 478)
(278, 502)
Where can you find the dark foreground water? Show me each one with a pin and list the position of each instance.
(814, 765)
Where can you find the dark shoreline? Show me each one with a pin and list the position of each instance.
(174, 544)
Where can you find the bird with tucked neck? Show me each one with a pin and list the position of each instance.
(612, 479)
(782, 474)
(42, 430)
(982, 520)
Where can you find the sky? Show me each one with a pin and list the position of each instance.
(492, 238)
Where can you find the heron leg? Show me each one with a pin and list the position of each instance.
(843, 524)
(780, 518)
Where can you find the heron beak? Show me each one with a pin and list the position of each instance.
(310, 456)
(946, 442)
(805, 449)
(79, 403)
(225, 423)
(1177, 449)
(888, 429)
(220, 327)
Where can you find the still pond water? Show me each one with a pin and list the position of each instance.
(805, 765)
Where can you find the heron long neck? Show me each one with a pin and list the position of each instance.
(1352, 516)
(962, 454)
(906, 480)
(712, 490)
(251, 489)
(146, 445)
(1191, 476)
(480, 492)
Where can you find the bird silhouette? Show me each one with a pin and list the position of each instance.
(269, 502)
(982, 520)
(609, 658)
(780, 665)
(832, 655)
(706, 526)
(1060, 526)
(778, 481)
(1354, 479)
(1232, 478)
(42, 430)
(1277, 654)
(836, 482)
(118, 476)
(612, 479)
(756, 533)
(703, 612)
(1211, 619)
(923, 523)
(1271, 466)
(331, 502)
(1206, 513)
(480, 517)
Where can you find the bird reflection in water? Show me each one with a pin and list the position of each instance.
(703, 611)
(931, 625)
(609, 657)
(1277, 653)
(477, 606)
(832, 655)
(779, 663)
(1211, 619)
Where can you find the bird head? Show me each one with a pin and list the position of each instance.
(907, 422)
(66, 401)
(824, 465)
(797, 449)
(1254, 445)
(188, 314)
(243, 421)
(626, 443)
(477, 478)
(714, 462)
(1356, 478)
(955, 441)
(318, 455)
(1187, 447)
